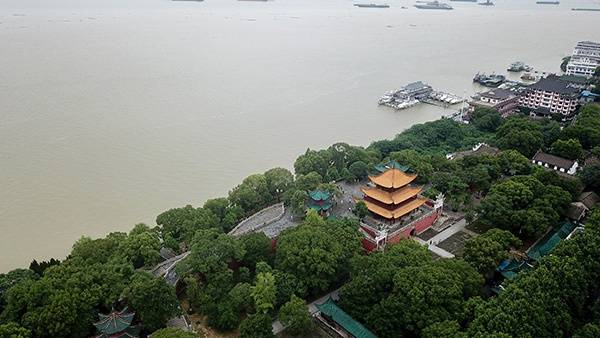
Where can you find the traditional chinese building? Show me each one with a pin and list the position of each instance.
(117, 325)
(320, 201)
(396, 209)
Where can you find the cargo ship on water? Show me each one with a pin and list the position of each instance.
(547, 2)
(487, 3)
(433, 5)
(372, 6)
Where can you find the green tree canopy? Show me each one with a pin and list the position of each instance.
(257, 326)
(486, 251)
(570, 148)
(153, 300)
(486, 119)
(264, 292)
(520, 134)
(295, 317)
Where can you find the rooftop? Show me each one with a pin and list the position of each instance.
(395, 197)
(589, 199)
(114, 322)
(553, 84)
(319, 195)
(580, 80)
(553, 160)
(398, 212)
(382, 167)
(498, 94)
(549, 241)
(356, 329)
(393, 178)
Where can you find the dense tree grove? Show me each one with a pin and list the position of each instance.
(524, 206)
(402, 291)
(246, 282)
(66, 299)
(485, 251)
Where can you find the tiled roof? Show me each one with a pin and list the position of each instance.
(395, 197)
(498, 93)
(356, 329)
(553, 160)
(589, 199)
(398, 212)
(393, 178)
(553, 84)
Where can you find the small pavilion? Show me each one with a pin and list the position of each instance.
(117, 324)
(320, 201)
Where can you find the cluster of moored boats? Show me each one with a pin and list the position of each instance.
(414, 93)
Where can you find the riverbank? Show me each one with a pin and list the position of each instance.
(137, 108)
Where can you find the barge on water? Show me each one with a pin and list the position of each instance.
(547, 2)
(492, 80)
(519, 66)
(371, 6)
(433, 5)
(487, 3)
(586, 9)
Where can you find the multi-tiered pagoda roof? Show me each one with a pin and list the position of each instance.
(392, 196)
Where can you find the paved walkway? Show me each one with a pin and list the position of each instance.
(442, 236)
(435, 249)
(312, 309)
(449, 231)
(259, 220)
(288, 220)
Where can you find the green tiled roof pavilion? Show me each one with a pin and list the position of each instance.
(356, 329)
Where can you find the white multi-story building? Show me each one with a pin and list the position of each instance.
(585, 59)
(550, 96)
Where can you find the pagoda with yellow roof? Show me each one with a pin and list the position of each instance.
(392, 197)
(397, 210)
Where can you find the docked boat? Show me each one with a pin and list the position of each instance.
(434, 5)
(528, 77)
(464, 0)
(487, 3)
(547, 2)
(519, 66)
(492, 80)
(371, 6)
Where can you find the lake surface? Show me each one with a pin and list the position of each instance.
(112, 111)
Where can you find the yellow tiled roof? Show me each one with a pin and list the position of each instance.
(399, 211)
(395, 197)
(392, 178)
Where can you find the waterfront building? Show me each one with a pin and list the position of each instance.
(117, 324)
(585, 59)
(320, 201)
(502, 100)
(397, 210)
(553, 162)
(550, 95)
